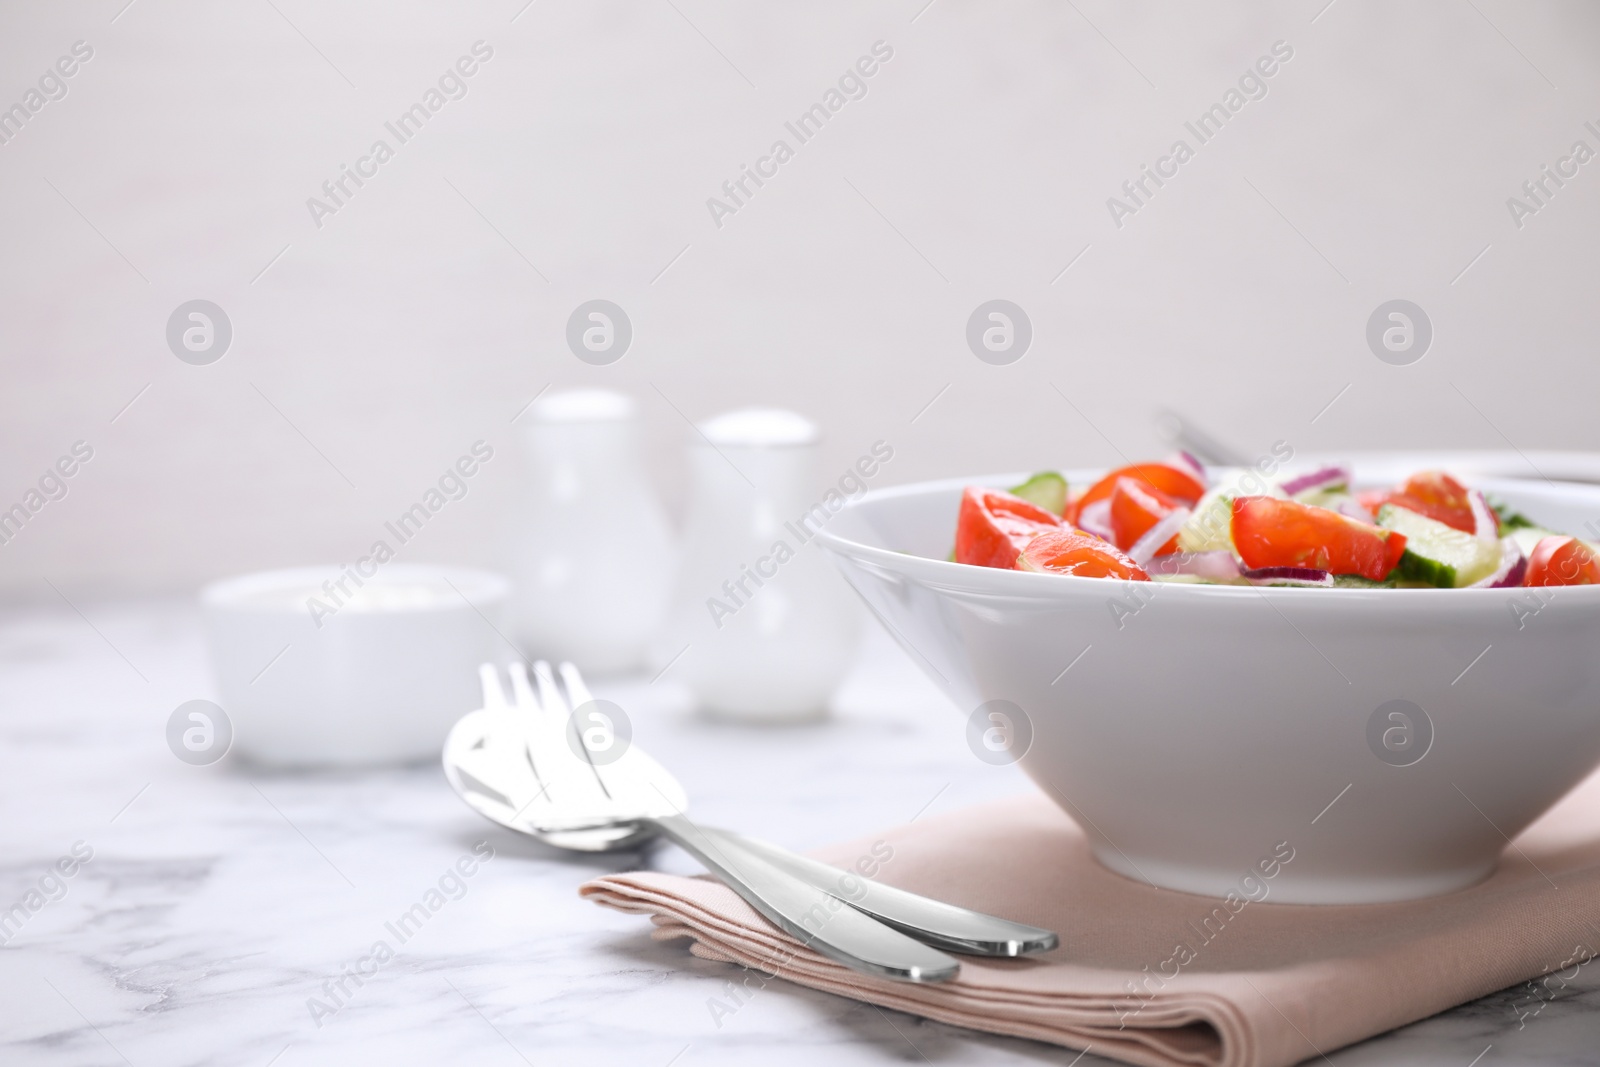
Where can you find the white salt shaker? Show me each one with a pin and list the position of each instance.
(764, 623)
(594, 552)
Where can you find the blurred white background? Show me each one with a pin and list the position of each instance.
(371, 352)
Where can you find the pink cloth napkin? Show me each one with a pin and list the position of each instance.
(1265, 986)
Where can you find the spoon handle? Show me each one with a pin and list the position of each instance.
(933, 922)
(815, 917)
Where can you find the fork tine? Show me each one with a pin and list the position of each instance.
(549, 696)
(577, 693)
(521, 689)
(577, 696)
(494, 697)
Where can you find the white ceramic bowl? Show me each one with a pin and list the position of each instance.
(379, 680)
(1205, 726)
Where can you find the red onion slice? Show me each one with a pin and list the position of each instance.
(1325, 478)
(1305, 576)
(1218, 565)
(1145, 549)
(1513, 568)
(1516, 576)
(1186, 461)
(1096, 519)
(1485, 526)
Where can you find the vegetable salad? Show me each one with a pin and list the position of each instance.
(1170, 521)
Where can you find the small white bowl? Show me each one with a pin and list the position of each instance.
(311, 676)
(1195, 731)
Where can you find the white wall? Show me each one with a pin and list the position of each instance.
(405, 327)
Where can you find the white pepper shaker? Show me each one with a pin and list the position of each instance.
(593, 549)
(764, 623)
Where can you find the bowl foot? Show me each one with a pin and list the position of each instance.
(1293, 886)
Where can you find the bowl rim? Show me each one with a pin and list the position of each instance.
(965, 577)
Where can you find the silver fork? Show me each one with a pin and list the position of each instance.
(525, 765)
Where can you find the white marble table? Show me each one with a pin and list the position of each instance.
(218, 902)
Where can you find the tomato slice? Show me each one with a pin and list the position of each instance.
(994, 527)
(1562, 561)
(1373, 499)
(1437, 488)
(1135, 508)
(1161, 477)
(1432, 493)
(1268, 532)
(1068, 551)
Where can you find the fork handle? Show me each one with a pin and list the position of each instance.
(933, 922)
(816, 918)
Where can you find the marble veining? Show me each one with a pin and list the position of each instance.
(219, 902)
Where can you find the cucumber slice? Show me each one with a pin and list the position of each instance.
(1355, 581)
(1528, 537)
(1210, 528)
(1325, 498)
(1437, 554)
(1046, 489)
